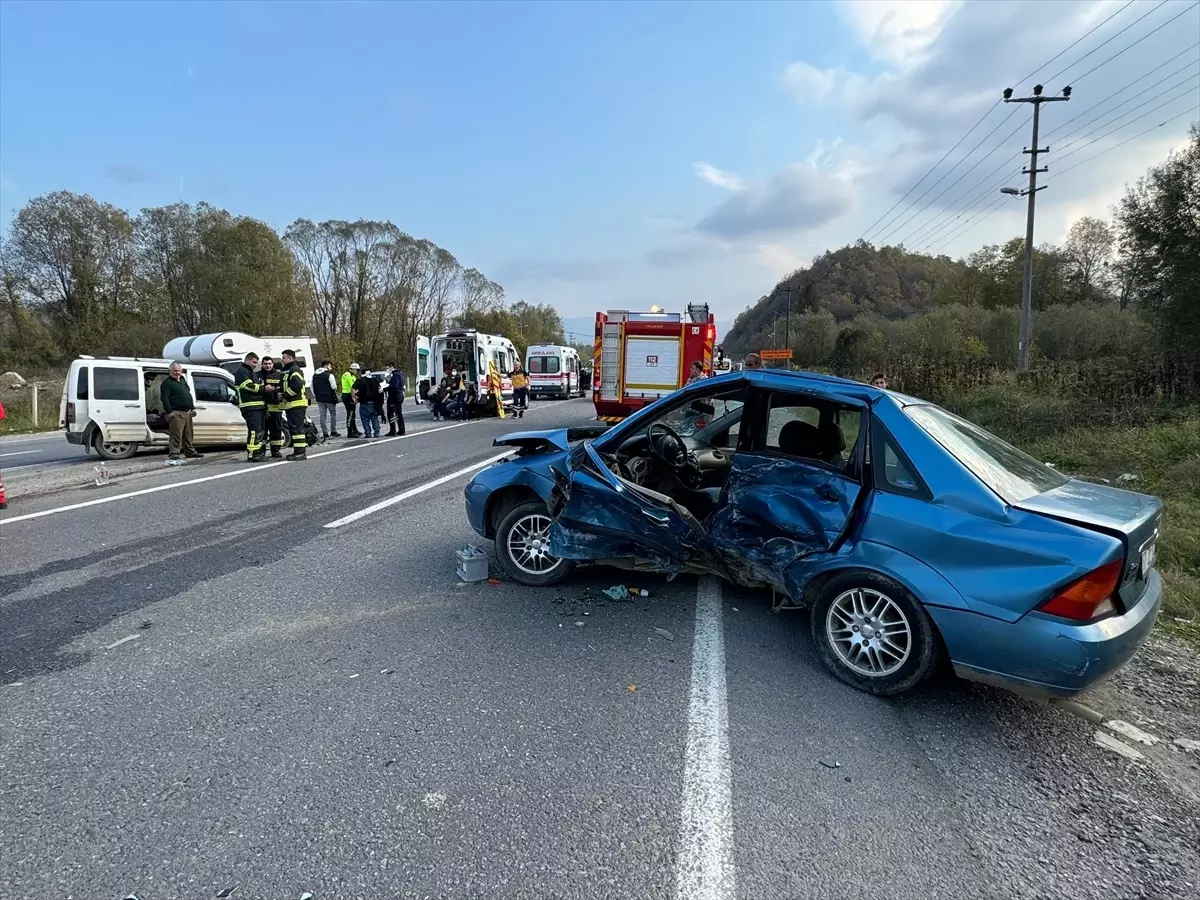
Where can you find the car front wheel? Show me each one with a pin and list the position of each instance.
(522, 546)
(874, 634)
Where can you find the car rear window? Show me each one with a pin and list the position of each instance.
(1013, 474)
(543, 365)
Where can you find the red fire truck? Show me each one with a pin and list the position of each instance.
(641, 356)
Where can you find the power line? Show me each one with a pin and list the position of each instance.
(970, 130)
(1110, 118)
(1109, 41)
(939, 231)
(1186, 112)
(1080, 78)
(1130, 122)
(1100, 103)
(972, 222)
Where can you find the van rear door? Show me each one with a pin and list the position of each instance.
(73, 412)
(424, 367)
(117, 404)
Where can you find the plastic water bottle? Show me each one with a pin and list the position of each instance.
(101, 475)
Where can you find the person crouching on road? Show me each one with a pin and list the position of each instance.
(366, 395)
(348, 378)
(272, 379)
(295, 404)
(253, 407)
(396, 386)
(326, 390)
(520, 383)
(179, 408)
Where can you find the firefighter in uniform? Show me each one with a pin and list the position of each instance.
(253, 407)
(295, 404)
(272, 379)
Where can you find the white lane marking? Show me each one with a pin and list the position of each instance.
(124, 640)
(704, 868)
(412, 492)
(19, 453)
(247, 471)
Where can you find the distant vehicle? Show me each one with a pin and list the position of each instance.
(642, 356)
(467, 352)
(553, 371)
(910, 533)
(227, 349)
(111, 404)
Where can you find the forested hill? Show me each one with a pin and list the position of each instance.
(851, 282)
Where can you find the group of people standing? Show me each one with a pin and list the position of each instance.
(273, 398)
(359, 392)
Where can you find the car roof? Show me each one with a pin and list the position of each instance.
(785, 379)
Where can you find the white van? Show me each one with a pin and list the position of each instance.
(227, 349)
(466, 351)
(111, 404)
(553, 372)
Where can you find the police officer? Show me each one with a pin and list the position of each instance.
(295, 404)
(253, 407)
(272, 380)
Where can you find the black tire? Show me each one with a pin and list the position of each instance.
(897, 673)
(515, 517)
(117, 450)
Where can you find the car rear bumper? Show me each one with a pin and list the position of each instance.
(75, 437)
(1042, 656)
(536, 390)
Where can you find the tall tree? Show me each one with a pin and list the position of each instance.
(1088, 249)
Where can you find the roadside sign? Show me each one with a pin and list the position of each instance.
(775, 354)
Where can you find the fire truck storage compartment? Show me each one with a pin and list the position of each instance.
(651, 365)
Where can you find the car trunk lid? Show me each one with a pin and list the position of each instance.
(1133, 518)
(549, 441)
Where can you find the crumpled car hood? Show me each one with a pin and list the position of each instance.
(547, 441)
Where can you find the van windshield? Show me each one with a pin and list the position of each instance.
(544, 365)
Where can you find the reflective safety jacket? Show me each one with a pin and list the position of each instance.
(293, 387)
(273, 389)
(249, 388)
(348, 379)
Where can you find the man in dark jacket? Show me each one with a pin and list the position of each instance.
(254, 408)
(325, 389)
(396, 384)
(272, 379)
(295, 404)
(179, 408)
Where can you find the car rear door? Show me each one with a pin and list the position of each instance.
(117, 404)
(599, 515)
(786, 501)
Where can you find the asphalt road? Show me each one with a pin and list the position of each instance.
(28, 453)
(202, 687)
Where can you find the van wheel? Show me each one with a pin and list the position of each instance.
(521, 546)
(113, 449)
(874, 634)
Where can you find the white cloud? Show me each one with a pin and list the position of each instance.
(898, 31)
(714, 176)
(810, 84)
(796, 199)
(778, 259)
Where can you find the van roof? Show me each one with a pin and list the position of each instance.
(147, 361)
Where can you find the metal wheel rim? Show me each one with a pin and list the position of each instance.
(115, 448)
(869, 632)
(528, 545)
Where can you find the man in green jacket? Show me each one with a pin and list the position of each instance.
(348, 378)
(179, 408)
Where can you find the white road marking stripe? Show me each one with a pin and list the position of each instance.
(19, 453)
(124, 640)
(246, 471)
(412, 492)
(704, 868)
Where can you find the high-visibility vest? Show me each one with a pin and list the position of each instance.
(348, 379)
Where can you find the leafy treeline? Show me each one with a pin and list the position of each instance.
(1128, 290)
(82, 276)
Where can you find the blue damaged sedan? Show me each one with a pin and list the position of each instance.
(912, 535)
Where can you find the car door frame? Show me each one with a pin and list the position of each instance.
(789, 577)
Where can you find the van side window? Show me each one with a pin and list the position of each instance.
(115, 384)
(81, 384)
(210, 389)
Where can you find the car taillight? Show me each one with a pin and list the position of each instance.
(1088, 598)
(70, 413)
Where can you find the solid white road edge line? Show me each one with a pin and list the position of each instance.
(19, 453)
(247, 471)
(412, 492)
(704, 867)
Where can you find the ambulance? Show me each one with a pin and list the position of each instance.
(467, 352)
(554, 371)
(641, 356)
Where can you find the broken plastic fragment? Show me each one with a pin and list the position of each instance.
(225, 892)
(1108, 742)
(831, 764)
(580, 623)
(493, 581)
(1132, 732)
(664, 633)
(616, 592)
(307, 895)
(631, 689)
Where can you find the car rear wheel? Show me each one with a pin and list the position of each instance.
(874, 634)
(113, 449)
(522, 546)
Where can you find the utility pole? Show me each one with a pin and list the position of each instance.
(1031, 193)
(788, 344)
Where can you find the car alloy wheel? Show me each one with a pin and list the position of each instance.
(868, 632)
(523, 546)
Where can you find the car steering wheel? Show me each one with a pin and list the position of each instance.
(667, 446)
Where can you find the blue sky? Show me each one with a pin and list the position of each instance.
(589, 155)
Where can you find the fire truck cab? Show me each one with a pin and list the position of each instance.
(641, 356)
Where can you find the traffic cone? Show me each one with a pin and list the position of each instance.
(3, 496)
